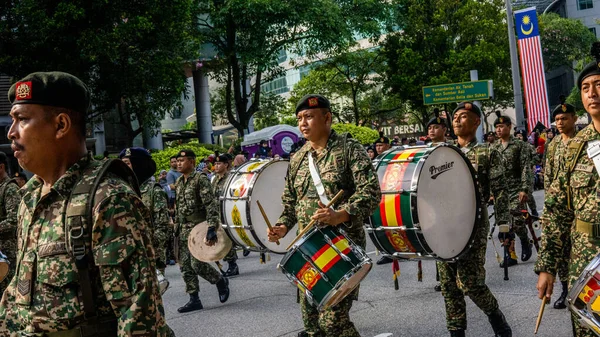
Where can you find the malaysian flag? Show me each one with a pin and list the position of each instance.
(532, 67)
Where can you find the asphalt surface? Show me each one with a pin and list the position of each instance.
(263, 302)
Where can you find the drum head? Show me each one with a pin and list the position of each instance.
(206, 253)
(447, 202)
(268, 189)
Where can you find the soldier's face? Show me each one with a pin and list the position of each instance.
(314, 124)
(382, 147)
(436, 132)
(519, 136)
(128, 162)
(465, 123)
(185, 165)
(34, 136)
(220, 167)
(565, 123)
(502, 131)
(590, 95)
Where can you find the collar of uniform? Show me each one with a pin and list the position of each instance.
(192, 175)
(471, 144)
(331, 141)
(512, 140)
(145, 186)
(588, 133)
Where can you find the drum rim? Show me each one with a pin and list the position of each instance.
(582, 280)
(478, 206)
(336, 288)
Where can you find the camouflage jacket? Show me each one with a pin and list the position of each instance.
(9, 203)
(195, 200)
(518, 168)
(489, 168)
(218, 184)
(554, 152)
(351, 171)
(45, 295)
(571, 195)
(155, 198)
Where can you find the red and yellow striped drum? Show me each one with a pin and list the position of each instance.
(429, 205)
(584, 297)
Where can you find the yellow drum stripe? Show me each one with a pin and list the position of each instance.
(325, 258)
(390, 199)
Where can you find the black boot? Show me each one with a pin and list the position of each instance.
(499, 324)
(233, 270)
(561, 301)
(246, 252)
(384, 260)
(438, 287)
(457, 333)
(193, 304)
(223, 288)
(511, 262)
(526, 250)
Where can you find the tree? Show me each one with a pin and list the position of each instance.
(441, 42)
(564, 41)
(249, 36)
(129, 53)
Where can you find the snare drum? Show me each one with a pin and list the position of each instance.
(584, 300)
(429, 205)
(326, 266)
(261, 180)
(4, 264)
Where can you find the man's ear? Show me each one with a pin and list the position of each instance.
(63, 124)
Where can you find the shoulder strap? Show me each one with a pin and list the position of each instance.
(570, 162)
(79, 224)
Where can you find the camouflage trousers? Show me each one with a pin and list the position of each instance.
(231, 257)
(562, 265)
(161, 236)
(519, 226)
(8, 248)
(332, 322)
(191, 267)
(466, 277)
(584, 249)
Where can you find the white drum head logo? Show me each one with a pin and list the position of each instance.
(435, 171)
(286, 144)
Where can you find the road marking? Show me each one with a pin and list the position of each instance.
(386, 334)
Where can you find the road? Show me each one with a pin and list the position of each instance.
(263, 302)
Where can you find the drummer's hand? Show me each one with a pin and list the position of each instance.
(277, 232)
(522, 197)
(211, 237)
(545, 285)
(328, 216)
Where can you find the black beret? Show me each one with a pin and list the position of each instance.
(222, 159)
(382, 140)
(186, 153)
(55, 88)
(563, 108)
(502, 120)
(522, 133)
(313, 102)
(437, 121)
(469, 106)
(134, 152)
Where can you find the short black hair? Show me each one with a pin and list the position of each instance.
(4, 160)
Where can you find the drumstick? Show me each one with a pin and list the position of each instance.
(312, 222)
(262, 211)
(539, 319)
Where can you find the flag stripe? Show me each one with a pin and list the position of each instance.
(534, 82)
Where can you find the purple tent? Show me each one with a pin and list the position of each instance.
(280, 138)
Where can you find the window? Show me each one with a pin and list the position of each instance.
(276, 86)
(593, 30)
(585, 4)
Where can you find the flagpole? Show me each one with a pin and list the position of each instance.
(514, 63)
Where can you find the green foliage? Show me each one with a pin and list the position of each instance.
(163, 158)
(574, 99)
(249, 36)
(130, 53)
(441, 42)
(564, 40)
(189, 126)
(363, 134)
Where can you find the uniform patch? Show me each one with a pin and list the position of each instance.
(312, 102)
(23, 286)
(584, 168)
(23, 91)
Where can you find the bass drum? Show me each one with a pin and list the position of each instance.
(584, 297)
(429, 205)
(255, 180)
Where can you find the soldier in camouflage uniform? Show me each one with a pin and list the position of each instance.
(467, 275)
(222, 166)
(153, 196)
(9, 202)
(564, 116)
(343, 165)
(196, 203)
(519, 179)
(573, 194)
(101, 282)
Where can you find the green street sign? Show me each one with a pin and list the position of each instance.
(458, 92)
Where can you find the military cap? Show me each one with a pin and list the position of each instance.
(502, 120)
(563, 108)
(185, 153)
(469, 106)
(142, 163)
(55, 88)
(382, 139)
(592, 68)
(437, 121)
(222, 159)
(313, 101)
